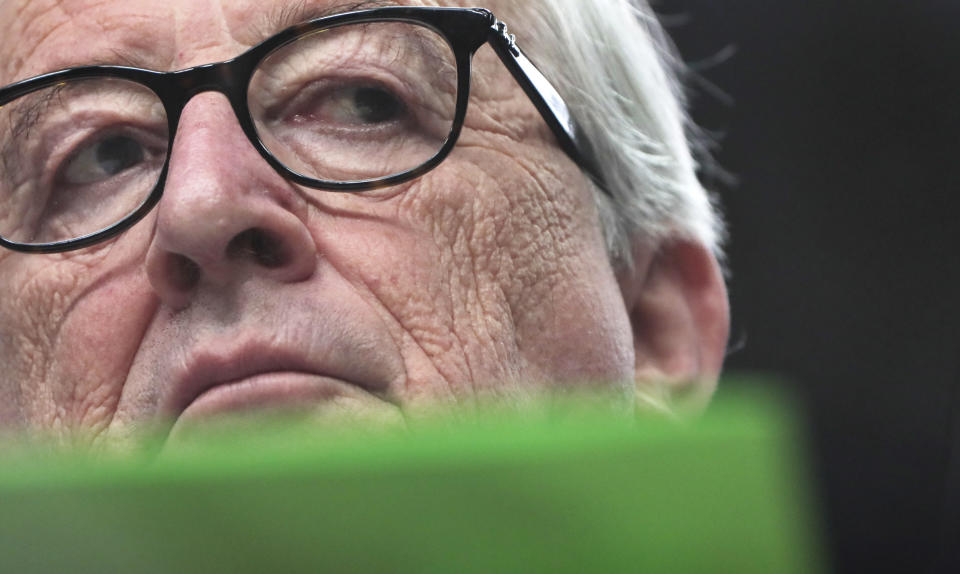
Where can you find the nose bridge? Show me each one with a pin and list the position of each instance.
(225, 77)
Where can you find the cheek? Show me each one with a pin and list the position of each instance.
(492, 273)
(395, 262)
(69, 335)
(426, 260)
(96, 346)
(525, 239)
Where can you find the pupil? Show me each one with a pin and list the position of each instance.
(117, 154)
(375, 105)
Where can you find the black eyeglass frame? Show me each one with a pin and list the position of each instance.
(464, 29)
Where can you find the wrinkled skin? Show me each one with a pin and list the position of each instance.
(485, 278)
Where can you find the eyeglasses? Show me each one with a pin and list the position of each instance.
(351, 102)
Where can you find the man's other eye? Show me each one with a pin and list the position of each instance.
(103, 159)
(334, 104)
(366, 105)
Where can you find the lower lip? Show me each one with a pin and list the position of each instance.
(282, 392)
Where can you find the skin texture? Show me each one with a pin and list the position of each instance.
(484, 279)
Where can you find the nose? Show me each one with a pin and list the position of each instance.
(225, 213)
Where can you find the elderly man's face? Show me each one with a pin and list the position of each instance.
(484, 278)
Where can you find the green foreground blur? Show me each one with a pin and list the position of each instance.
(574, 493)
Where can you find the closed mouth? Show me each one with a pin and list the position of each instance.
(294, 395)
(256, 378)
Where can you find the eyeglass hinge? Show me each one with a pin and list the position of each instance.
(510, 39)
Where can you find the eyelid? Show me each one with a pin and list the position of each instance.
(27, 113)
(311, 87)
(423, 52)
(294, 13)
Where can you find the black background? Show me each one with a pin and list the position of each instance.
(842, 134)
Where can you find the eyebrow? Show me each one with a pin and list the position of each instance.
(21, 121)
(288, 15)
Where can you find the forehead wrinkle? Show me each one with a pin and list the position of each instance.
(47, 36)
(140, 30)
(22, 22)
(282, 15)
(197, 38)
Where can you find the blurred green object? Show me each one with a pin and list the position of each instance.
(581, 492)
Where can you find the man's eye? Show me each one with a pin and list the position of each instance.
(103, 159)
(375, 106)
(358, 106)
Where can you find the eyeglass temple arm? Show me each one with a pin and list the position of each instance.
(547, 101)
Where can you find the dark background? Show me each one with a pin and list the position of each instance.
(841, 133)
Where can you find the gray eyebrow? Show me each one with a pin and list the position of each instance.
(294, 13)
(22, 120)
(24, 117)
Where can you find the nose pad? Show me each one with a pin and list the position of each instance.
(225, 213)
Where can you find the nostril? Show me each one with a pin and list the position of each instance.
(184, 272)
(260, 246)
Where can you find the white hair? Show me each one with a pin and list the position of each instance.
(618, 71)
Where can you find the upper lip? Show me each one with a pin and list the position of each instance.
(215, 365)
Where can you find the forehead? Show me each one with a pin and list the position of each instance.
(38, 36)
(41, 35)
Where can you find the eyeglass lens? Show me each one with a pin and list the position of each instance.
(78, 157)
(353, 103)
(358, 102)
